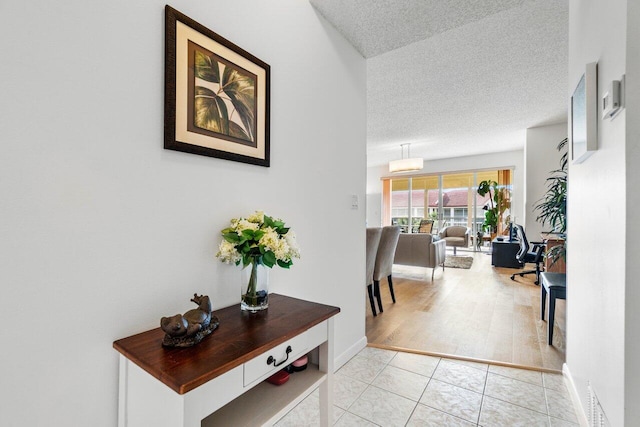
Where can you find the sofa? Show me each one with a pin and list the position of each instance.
(455, 236)
(420, 250)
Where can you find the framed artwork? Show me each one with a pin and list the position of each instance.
(584, 115)
(216, 94)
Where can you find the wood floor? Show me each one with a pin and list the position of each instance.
(479, 313)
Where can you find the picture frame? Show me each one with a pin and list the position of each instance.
(584, 115)
(217, 95)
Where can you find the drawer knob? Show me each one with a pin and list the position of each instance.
(272, 361)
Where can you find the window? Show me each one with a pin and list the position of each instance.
(447, 199)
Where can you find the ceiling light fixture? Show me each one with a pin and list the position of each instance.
(406, 164)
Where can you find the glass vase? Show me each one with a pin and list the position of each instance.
(254, 291)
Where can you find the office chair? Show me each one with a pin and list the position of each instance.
(524, 255)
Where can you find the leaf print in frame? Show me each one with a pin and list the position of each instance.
(217, 95)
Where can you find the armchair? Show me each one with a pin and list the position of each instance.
(456, 236)
(420, 250)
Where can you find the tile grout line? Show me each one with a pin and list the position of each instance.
(423, 391)
(388, 362)
(484, 389)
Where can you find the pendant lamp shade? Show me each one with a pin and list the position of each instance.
(406, 164)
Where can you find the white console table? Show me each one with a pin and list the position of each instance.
(220, 381)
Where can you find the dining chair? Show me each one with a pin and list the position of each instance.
(384, 261)
(373, 241)
(426, 226)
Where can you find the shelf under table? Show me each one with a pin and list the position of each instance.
(266, 403)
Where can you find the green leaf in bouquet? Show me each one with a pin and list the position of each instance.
(258, 234)
(246, 259)
(248, 234)
(268, 221)
(269, 259)
(231, 237)
(285, 264)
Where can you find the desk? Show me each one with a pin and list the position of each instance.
(556, 285)
(222, 377)
(550, 241)
(503, 253)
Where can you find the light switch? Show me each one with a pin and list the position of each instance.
(611, 100)
(354, 201)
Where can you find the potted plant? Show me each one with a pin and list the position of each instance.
(498, 203)
(552, 207)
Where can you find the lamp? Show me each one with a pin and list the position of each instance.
(406, 164)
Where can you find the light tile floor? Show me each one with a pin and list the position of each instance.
(387, 388)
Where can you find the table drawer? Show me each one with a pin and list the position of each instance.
(258, 369)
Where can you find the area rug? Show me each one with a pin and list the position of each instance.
(453, 261)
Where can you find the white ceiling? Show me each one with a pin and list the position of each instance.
(457, 77)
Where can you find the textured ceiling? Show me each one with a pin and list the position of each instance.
(456, 78)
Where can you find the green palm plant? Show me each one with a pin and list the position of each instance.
(552, 207)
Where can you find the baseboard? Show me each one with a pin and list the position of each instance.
(575, 396)
(349, 353)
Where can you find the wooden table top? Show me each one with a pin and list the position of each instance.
(240, 337)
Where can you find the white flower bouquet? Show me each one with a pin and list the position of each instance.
(258, 240)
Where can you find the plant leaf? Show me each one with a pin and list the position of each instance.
(237, 132)
(269, 259)
(240, 88)
(206, 68)
(284, 264)
(231, 237)
(210, 111)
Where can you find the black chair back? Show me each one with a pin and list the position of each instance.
(524, 243)
(524, 256)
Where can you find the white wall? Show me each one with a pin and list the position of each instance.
(540, 157)
(374, 209)
(600, 190)
(632, 267)
(507, 159)
(103, 231)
